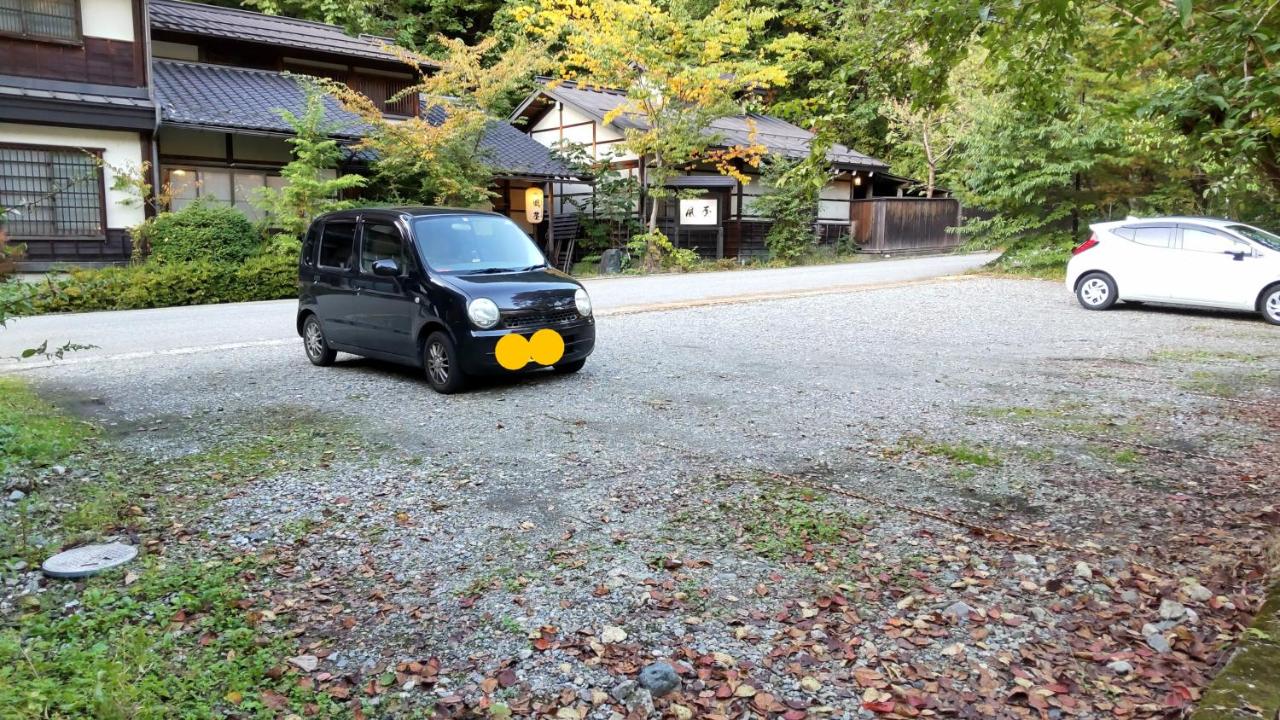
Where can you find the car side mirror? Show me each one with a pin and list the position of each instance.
(1236, 254)
(386, 267)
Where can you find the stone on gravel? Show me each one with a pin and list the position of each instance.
(1083, 570)
(659, 678)
(959, 612)
(1198, 592)
(613, 634)
(641, 703)
(1025, 560)
(1158, 643)
(306, 663)
(622, 691)
(16, 495)
(1171, 609)
(1120, 667)
(1130, 596)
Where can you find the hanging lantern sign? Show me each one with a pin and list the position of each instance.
(533, 205)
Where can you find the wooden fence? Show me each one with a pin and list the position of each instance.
(888, 225)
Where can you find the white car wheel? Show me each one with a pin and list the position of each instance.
(1271, 306)
(1096, 291)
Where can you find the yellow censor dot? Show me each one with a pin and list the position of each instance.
(546, 347)
(513, 352)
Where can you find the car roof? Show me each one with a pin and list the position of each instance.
(1208, 221)
(409, 211)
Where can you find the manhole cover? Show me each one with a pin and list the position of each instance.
(88, 560)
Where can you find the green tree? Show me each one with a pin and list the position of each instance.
(608, 216)
(678, 71)
(438, 158)
(794, 191)
(310, 187)
(414, 24)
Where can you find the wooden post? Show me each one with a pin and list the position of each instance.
(549, 213)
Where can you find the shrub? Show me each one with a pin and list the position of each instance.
(200, 232)
(656, 251)
(151, 285)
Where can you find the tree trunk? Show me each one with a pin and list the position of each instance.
(653, 211)
(933, 174)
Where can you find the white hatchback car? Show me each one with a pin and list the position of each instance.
(1181, 261)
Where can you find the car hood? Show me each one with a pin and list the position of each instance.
(543, 289)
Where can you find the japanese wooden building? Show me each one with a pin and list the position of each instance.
(854, 203)
(93, 88)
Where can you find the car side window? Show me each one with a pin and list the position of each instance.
(1207, 241)
(1154, 236)
(382, 241)
(337, 245)
(309, 245)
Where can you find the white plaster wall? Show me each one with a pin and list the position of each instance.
(110, 19)
(828, 208)
(121, 148)
(580, 134)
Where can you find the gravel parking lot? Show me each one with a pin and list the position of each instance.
(1053, 511)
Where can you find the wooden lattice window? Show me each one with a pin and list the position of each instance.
(56, 20)
(52, 192)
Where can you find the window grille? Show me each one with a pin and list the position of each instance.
(51, 192)
(41, 19)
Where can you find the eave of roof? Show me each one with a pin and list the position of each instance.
(192, 18)
(229, 99)
(780, 137)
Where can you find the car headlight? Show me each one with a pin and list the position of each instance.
(483, 313)
(583, 301)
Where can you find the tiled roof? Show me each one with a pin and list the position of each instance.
(231, 23)
(95, 99)
(214, 96)
(778, 135)
(237, 98)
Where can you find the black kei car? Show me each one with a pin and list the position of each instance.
(438, 289)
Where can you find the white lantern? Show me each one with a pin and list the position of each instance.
(534, 209)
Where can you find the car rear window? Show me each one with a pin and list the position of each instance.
(336, 244)
(1158, 237)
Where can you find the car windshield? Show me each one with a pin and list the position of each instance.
(1262, 237)
(468, 244)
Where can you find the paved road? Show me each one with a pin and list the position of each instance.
(183, 330)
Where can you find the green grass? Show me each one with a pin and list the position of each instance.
(1204, 356)
(125, 492)
(1032, 259)
(1126, 457)
(179, 642)
(1225, 385)
(964, 454)
(33, 433)
(784, 522)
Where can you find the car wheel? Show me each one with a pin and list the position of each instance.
(570, 367)
(440, 361)
(1096, 291)
(1271, 306)
(318, 350)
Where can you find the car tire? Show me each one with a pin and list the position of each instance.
(568, 368)
(1270, 305)
(1096, 291)
(315, 344)
(440, 363)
